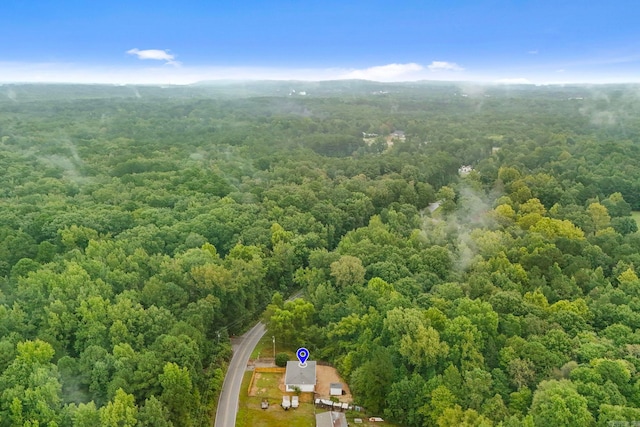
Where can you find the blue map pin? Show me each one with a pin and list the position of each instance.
(303, 355)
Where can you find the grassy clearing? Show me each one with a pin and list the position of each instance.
(266, 386)
(275, 416)
(264, 347)
(251, 415)
(351, 416)
(241, 419)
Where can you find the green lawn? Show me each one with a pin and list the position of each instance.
(265, 349)
(266, 385)
(365, 422)
(251, 415)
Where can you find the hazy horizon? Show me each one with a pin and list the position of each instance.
(162, 42)
(232, 81)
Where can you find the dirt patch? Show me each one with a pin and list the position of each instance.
(254, 385)
(266, 384)
(281, 385)
(326, 375)
(271, 384)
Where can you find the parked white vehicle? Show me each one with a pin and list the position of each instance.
(286, 403)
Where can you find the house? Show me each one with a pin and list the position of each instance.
(331, 419)
(369, 138)
(398, 134)
(300, 376)
(465, 170)
(335, 389)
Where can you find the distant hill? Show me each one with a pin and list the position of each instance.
(24, 92)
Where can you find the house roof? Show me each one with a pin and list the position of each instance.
(331, 419)
(335, 385)
(296, 375)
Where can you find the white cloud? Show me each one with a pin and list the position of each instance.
(157, 72)
(515, 81)
(389, 72)
(155, 54)
(444, 66)
(153, 73)
(533, 52)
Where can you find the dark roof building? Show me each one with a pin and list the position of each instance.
(398, 134)
(331, 419)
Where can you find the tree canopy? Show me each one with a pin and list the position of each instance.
(137, 233)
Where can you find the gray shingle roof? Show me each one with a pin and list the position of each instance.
(331, 419)
(296, 375)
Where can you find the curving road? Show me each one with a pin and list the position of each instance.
(230, 394)
(228, 403)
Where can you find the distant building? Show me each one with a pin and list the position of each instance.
(331, 419)
(464, 170)
(399, 135)
(303, 378)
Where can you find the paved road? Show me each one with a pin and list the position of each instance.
(228, 403)
(242, 349)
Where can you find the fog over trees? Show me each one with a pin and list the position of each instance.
(141, 227)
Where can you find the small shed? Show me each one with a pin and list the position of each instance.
(335, 389)
(300, 376)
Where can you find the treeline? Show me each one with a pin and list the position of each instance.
(136, 236)
(506, 316)
(137, 233)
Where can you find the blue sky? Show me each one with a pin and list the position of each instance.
(185, 41)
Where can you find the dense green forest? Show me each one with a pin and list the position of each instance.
(140, 227)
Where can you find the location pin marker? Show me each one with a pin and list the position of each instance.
(303, 355)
